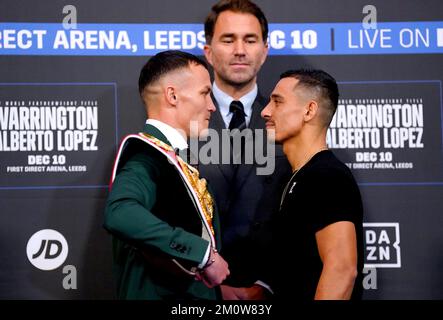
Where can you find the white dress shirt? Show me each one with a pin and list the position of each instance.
(224, 101)
(173, 135)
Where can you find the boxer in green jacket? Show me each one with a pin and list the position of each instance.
(161, 216)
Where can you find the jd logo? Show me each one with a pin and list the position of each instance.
(48, 254)
(47, 249)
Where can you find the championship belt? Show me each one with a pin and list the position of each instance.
(192, 176)
(197, 187)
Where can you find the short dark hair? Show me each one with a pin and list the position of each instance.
(242, 6)
(163, 63)
(323, 84)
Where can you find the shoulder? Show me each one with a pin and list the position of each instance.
(331, 181)
(327, 163)
(137, 153)
(326, 169)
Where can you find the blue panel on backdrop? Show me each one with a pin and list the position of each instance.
(284, 39)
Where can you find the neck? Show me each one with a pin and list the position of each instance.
(237, 91)
(299, 151)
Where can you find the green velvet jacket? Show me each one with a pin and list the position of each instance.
(153, 219)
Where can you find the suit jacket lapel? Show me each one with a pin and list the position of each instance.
(256, 123)
(256, 120)
(216, 122)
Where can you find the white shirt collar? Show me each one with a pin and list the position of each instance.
(224, 100)
(174, 137)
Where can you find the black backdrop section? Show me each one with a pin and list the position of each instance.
(403, 219)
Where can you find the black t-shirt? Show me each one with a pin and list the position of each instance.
(322, 192)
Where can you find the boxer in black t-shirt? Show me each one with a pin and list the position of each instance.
(317, 235)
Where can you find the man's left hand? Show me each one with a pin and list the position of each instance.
(254, 292)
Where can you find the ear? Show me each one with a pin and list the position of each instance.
(208, 53)
(170, 95)
(311, 110)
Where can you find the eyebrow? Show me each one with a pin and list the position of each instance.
(233, 35)
(276, 96)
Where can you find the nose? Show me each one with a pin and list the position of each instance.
(239, 47)
(266, 112)
(211, 106)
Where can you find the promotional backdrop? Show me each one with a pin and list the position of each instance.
(68, 95)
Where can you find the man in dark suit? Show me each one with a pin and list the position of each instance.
(161, 215)
(236, 46)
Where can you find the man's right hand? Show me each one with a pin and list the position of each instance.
(215, 273)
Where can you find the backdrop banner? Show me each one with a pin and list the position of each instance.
(68, 96)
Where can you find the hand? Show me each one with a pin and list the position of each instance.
(214, 274)
(229, 293)
(255, 292)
